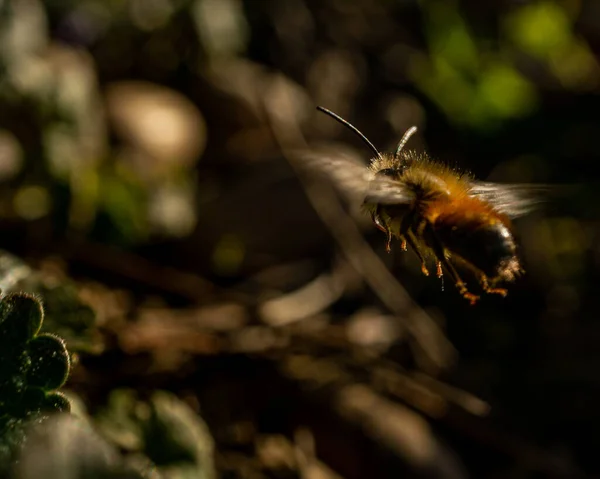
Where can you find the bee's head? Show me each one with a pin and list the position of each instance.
(394, 173)
(390, 166)
(393, 166)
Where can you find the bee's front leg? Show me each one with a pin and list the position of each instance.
(376, 217)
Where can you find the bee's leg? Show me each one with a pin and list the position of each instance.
(411, 239)
(413, 244)
(440, 273)
(460, 284)
(483, 280)
(403, 242)
(403, 234)
(388, 243)
(438, 249)
(378, 221)
(383, 227)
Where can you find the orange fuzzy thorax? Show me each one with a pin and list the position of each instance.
(448, 189)
(419, 170)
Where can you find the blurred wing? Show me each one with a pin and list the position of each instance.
(513, 200)
(352, 178)
(387, 191)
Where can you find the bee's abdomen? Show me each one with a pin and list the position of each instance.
(484, 242)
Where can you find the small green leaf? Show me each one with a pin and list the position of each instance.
(176, 436)
(56, 402)
(21, 317)
(50, 362)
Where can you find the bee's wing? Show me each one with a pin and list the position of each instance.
(352, 178)
(513, 200)
(388, 191)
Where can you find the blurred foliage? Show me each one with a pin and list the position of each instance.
(56, 141)
(480, 83)
(64, 442)
(130, 438)
(163, 429)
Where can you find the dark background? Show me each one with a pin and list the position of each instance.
(135, 154)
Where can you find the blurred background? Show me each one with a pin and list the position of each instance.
(137, 159)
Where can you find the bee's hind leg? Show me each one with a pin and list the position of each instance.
(459, 283)
(485, 285)
(439, 252)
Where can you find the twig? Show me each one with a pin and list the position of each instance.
(307, 301)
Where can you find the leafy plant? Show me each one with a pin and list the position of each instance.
(33, 367)
(65, 314)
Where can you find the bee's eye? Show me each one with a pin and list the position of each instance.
(391, 172)
(388, 172)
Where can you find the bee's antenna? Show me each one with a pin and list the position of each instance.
(410, 132)
(352, 127)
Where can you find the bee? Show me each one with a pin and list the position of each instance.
(443, 214)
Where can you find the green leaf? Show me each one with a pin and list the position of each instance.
(50, 362)
(56, 402)
(21, 316)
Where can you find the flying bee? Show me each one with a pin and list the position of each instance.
(442, 214)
